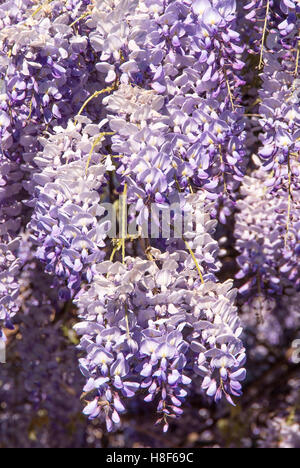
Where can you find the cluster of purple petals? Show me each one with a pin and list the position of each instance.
(267, 233)
(151, 325)
(40, 70)
(66, 222)
(9, 284)
(276, 107)
(279, 107)
(179, 67)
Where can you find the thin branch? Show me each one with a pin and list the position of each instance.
(261, 60)
(195, 261)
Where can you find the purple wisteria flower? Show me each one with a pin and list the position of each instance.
(9, 284)
(154, 114)
(267, 232)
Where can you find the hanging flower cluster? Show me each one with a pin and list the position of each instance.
(148, 326)
(267, 232)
